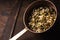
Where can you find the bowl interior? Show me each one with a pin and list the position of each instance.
(35, 5)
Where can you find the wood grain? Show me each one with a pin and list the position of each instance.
(8, 13)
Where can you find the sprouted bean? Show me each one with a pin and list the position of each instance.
(42, 18)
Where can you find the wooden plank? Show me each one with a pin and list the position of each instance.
(11, 21)
(5, 9)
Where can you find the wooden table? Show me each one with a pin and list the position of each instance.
(11, 21)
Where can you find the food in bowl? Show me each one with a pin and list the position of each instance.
(42, 18)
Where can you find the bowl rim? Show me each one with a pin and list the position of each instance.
(30, 6)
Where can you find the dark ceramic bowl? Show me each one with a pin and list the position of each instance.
(34, 5)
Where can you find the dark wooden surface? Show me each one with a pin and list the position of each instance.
(11, 21)
(8, 13)
(5, 9)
